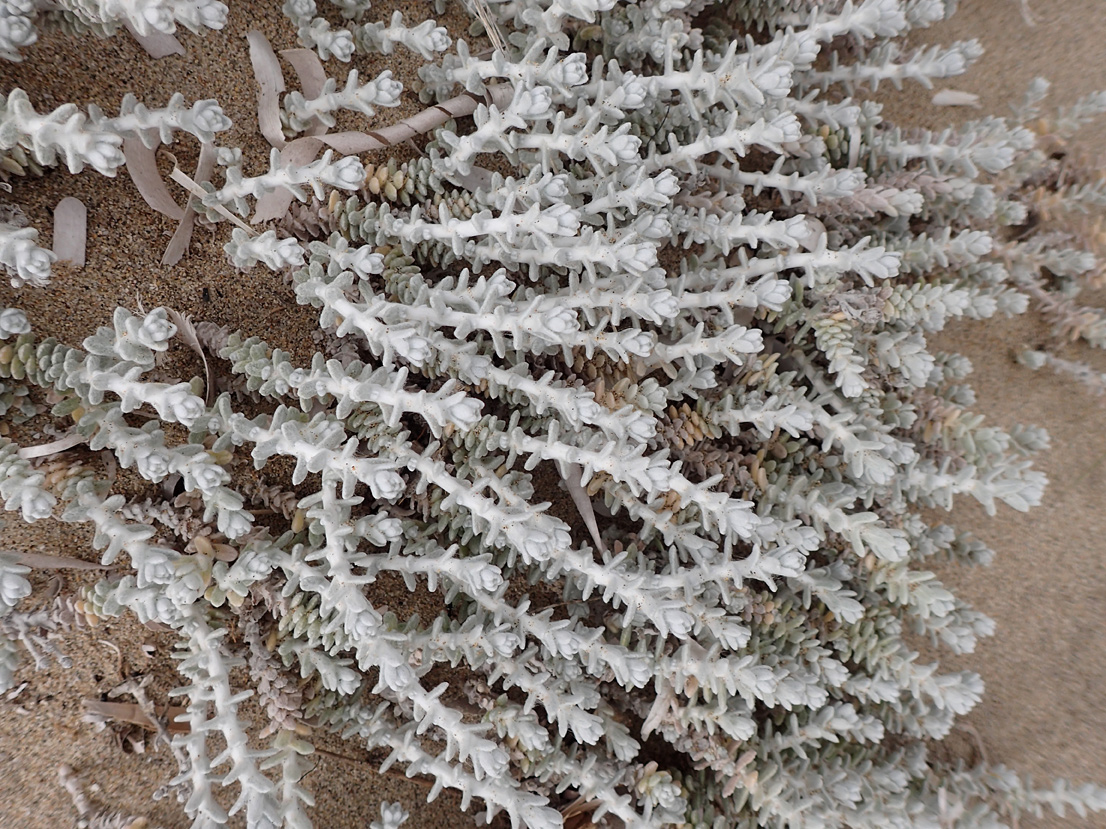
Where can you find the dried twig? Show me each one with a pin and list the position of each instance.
(101, 819)
(181, 178)
(484, 15)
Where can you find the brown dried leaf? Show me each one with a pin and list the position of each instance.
(309, 70)
(130, 712)
(578, 812)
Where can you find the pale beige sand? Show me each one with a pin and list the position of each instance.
(1045, 707)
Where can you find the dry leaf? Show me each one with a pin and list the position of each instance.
(42, 450)
(664, 704)
(70, 231)
(955, 98)
(181, 178)
(274, 205)
(266, 69)
(187, 332)
(183, 234)
(309, 70)
(499, 95)
(43, 561)
(583, 502)
(130, 712)
(142, 167)
(577, 814)
(312, 77)
(157, 44)
(491, 27)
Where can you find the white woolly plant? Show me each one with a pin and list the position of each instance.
(382, 91)
(95, 139)
(426, 39)
(392, 816)
(245, 251)
(315, 32)
(13, 589)
(148, 16)
(203, 120)
(63, 133)
(696, 291)
(13, 321)
(25, 262)
(19, 18)
(344, 174)
(17, 28)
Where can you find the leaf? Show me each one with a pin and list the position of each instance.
(44, 561)
(577, 813)
(312, 77)
(52, 448)
(583, 503)
(491, 27)
(157, 44)
(131, 713)
(275, 204)
(955, 98)
(183, 234)
(70, 231)
(187, 332)
(142, 168)
(266, 69)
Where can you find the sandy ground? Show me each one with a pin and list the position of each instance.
(1044, 711)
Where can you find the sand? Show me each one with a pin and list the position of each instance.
(1044, 711)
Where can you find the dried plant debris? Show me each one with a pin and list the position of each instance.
(90, 817)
